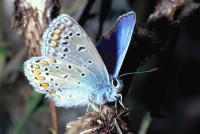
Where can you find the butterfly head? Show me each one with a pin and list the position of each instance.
(117, 84)
(107, 92)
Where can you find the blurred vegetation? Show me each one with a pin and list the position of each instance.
(170, 42)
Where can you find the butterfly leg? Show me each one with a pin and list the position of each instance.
(120, 100)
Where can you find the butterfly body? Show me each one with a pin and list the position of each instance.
(71, 71)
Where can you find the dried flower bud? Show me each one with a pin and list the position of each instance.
(30, 18)
(104, 121)
(167, 8)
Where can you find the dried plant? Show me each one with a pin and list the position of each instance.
(103, 120)
(30, 18)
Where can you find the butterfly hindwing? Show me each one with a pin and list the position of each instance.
(113, 46)
(59, 79)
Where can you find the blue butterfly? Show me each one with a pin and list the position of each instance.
(71, 71)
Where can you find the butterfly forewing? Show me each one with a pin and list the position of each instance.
(113, 46)
(66, 40)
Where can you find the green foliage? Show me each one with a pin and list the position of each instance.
(31, 108)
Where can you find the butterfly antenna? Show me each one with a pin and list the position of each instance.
(148, 71)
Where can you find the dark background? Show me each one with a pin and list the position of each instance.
(166, 41)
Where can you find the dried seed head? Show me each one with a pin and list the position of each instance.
(104, 121)
(29, 20)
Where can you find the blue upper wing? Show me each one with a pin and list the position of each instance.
(113, 46)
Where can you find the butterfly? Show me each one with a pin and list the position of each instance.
(72, 71)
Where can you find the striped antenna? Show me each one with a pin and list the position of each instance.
(148, 71)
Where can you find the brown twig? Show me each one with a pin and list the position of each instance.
(54, 121)
(29, 20)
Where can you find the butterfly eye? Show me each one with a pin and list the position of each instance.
(115, 83)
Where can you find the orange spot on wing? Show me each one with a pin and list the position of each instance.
(35, 66)
(39, 78)
(52, 92)
(43, 62)
(36, 72)
(56, 37)
(44, 85)
(54, 43)
(57, 31)
(52, 60)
